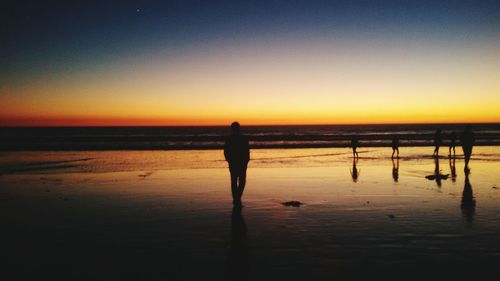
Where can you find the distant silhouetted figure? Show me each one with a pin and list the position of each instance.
(395, 146)
(453, 170)
(437, 142)
(468, 204)
(354, 145)
(453, 139)
(467, 139)
(237, 154)
(395, 170)
(355, 171)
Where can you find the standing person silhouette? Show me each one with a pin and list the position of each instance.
(237, 154)
(354, 145)
(453, 138)
(467, 139)
(395, 146)
(437, 142)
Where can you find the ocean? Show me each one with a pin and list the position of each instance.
(212, 137)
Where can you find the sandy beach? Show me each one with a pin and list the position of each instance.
(154, 215)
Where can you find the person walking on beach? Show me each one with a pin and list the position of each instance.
(437, 142)
(453, 138)
(467, 139)
(395, 146)
(237, 154)
(354, 145)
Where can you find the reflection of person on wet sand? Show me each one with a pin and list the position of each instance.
(467, 139)
(355, 171)
(237, 154)
(238, 249)
(395, 169)
(354, 145)
(453, 170)
(437, 176)
(395, 146)
(468, 204)
(437, 142)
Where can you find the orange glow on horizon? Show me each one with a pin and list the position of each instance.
(269, 84)
(83, 121)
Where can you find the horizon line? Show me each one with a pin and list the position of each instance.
(253, 125)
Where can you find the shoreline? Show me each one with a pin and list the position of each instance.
(41, 146)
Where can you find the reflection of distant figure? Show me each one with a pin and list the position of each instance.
(237, 154)
(453, 139)
(437, 176)
(467, 139)
(238, 249)
(468, 204)
(354, 145)
(453, 170)
(395, 170)
(395, 146)
(355, 171)
(437, 142)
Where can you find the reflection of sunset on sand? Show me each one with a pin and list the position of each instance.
(174, 197)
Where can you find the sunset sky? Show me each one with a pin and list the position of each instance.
(260, 62)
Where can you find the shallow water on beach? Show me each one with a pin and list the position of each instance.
(168, 214)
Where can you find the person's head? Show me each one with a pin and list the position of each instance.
(235, 128)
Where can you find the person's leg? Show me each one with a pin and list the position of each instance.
(242, 181)
(393, 151)
(234, 183)
(397, 149)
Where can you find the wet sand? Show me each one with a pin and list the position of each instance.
(151, 215)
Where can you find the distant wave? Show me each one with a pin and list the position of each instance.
(183, 138)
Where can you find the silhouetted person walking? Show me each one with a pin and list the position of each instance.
(395, 146)
(467, 139)
(354, 145)
(237, 154)
(453, 139)
(437, 142)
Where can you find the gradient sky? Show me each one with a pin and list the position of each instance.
(259, 62)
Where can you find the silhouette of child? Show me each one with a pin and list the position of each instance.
(437, 142)
(395, 146)
(467, 139)
(453, 138)
(354, 145)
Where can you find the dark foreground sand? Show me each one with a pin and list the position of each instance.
(167, 215)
